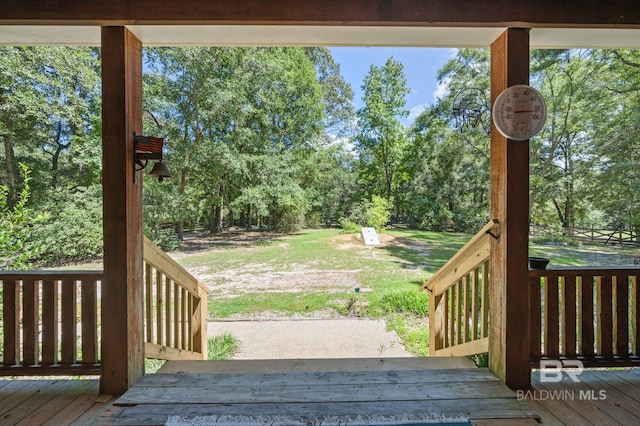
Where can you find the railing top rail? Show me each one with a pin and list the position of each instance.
(576, 271)
(51, 274)
(456, 267)
(161, 260)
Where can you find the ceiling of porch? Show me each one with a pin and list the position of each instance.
(310, 35)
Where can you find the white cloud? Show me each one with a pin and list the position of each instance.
(415, 111)
(441, 90)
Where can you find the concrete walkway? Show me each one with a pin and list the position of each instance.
(307, 339)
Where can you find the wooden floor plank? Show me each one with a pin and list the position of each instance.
(617, 401)
(38, 399)
(584, 412)
(89, 417)
(57, 404)
(309, 365)
(266, 393)
(562, 411)
(547, 418)
(19, 393)
(481, 408)
(79, 405)
(318, 378)
(592, 391)
(623, 380)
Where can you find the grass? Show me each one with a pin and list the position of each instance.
(389, 276)
(224, 346)
(221, 347)
(390, 273)
(286, 304)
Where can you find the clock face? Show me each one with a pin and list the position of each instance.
(519, 112)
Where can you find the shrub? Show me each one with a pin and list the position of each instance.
(349, 227)
(74, 232)
(14, 227)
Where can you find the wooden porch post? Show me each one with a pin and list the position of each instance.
(122, 299)
(509, 330)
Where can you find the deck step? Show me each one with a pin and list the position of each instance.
(316, 391)
(314, 365)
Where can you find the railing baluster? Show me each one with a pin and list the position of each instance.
(167, 311)
(30, 302)
(621, 315)
(89, 313)
(459, 313)
(446, 341)
(475, 315)
(587, 334)
(183, 319)
(635, 310)
(159, 310)
(148, 305)
(485, 299)
(176, 315)
(536, 317)
(11, 321)
(605, 316)
(190, 321)
(551, 320)
(465, 326)
(49, 322)
(569, 308)
(69, 322)
(452, 316)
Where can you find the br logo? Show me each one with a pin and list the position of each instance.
(551, 371)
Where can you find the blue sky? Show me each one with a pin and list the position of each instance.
(421, 66)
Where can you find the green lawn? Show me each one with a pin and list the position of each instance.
(385, 283)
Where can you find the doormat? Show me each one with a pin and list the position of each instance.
(377, 420)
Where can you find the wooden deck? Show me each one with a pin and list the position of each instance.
(314, 389)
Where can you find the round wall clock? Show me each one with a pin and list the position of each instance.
(519, 112)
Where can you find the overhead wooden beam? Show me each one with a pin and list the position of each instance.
(509, 319)
(570, 13)
(122, 299)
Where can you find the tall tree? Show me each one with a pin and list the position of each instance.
(448, 160)
(382, 137)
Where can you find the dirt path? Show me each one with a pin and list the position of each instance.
(308, 339)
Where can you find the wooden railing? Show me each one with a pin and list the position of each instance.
(175, 309)
(50, 318)
(590, 314)
(459, 301)
(50, 322)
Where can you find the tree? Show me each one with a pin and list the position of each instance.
(563, 165)
(617, 188)
(448, 159)
(382, 137)
(226, 110)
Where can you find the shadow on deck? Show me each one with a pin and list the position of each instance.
(308, 391)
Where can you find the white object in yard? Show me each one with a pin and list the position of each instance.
(370, 237)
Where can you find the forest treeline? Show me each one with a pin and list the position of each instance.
(270, 138)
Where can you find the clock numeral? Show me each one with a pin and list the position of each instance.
(508, 109)
(508, 116)
(536, 117)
